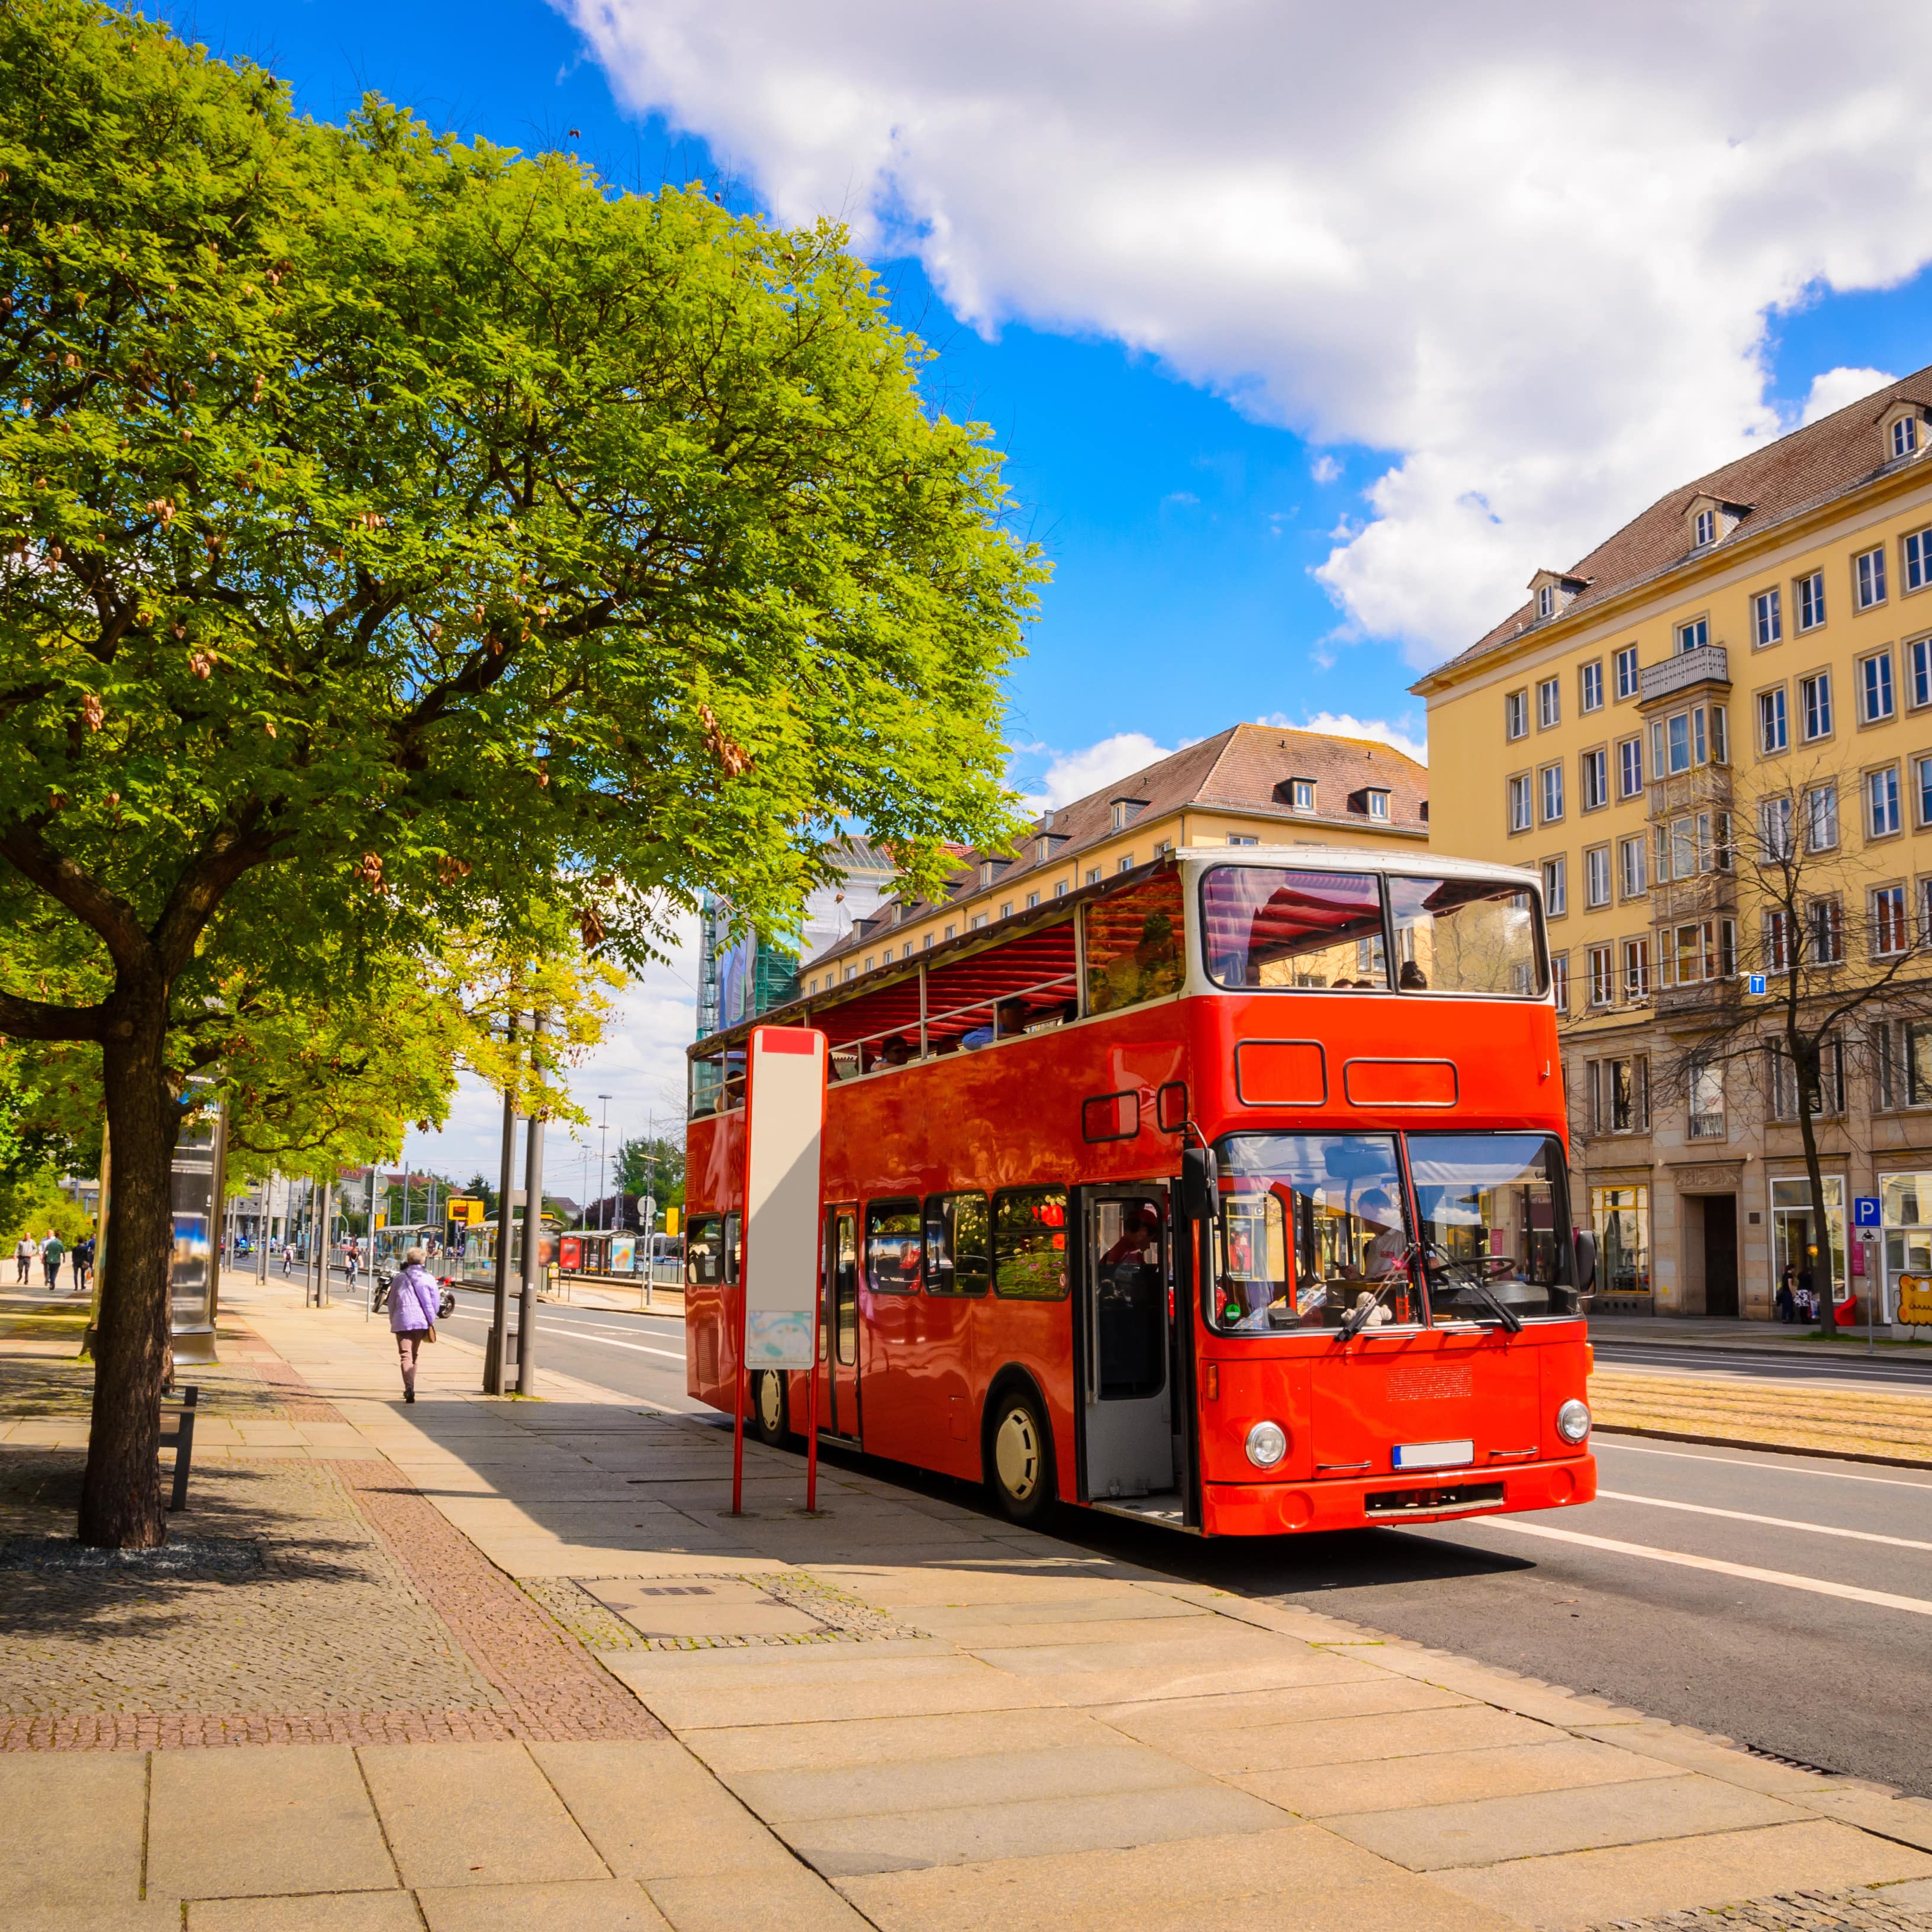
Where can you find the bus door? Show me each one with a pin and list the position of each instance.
(1126, 1409)
(838, 1325)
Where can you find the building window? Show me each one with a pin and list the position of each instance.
(1777, 942)
(1922, 771)
(1593, 775)
(1304, 788)
(1033, 900)
(1705, 528)
(974, 924)
(1621, 1218)
(1826, 932)
(1811, 601)
(1699, 950)
(950, 930)
(1378, 805)
(851, 972)
(1694, 636)
(1875, 692)
(1890, 928)
(1126, 862)
(1904, 436)
(1007, 910)
(1516, 724)
(929, 937)
(1559, 981)
(1550, 781)
(1518, 803)
(1630, 868)
(1242, 838)
(1093, 875)
(1918, 671)
(1774, 728)
(1773, 827)
(1555, 887)
(1918, 560)
(1706, 1096)
(1060, 888)
(1549, 703)
(1629, 767)
(1699, 736)
(1869, 567)
(1591, 678)
(1546, 601)
(1814, 702)
(1829, 1099)
(1768, 617)
(1882, 802)
(1597, 876)
(1636, 970)
(1620, 1096)
(1821, 818)
(1627, 683)
(1602, 987)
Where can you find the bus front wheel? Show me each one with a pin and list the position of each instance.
(771, 1420)
(1019, 1459)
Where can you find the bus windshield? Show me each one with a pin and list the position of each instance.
(1493, 1210)
(1466, 936)
(1310, 1224)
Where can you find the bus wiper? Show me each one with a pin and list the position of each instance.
(1466, 1272)
(1357, 1318)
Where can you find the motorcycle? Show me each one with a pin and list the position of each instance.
(445, 1295)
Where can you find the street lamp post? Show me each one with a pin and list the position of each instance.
(603, 1184)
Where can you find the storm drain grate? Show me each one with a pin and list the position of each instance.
(1790, 1763)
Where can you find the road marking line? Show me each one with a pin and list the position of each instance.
(564, 1329)
(1818, 1585)
(1807, 1467)
(1775, 1522)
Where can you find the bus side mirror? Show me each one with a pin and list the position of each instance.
(1200, 1183)
(1586, 1261)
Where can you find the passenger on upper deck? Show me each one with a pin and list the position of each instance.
(897, 1051)
(1009, 1019)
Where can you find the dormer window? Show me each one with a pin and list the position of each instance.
(1304, 794)
(1904, 436)
(1126, 810)
(1554, 593)
(1704, 528)
(1902, 425)
(989, 872)
(1709, 520)
(1546, 601)
(1372, 801)
(1378, 803)
(1042, 850)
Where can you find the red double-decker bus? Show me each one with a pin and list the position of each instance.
(1229, 1194)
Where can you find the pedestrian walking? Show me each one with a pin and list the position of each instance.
(23, 1258)
(1808, 1298)
(413, 1299)
(1787, 1298)
(83, 1263)
(53, 1251)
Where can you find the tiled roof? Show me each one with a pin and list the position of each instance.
(1236, 770)
(1809, 467)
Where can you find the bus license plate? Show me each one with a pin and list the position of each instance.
(1433, 1455)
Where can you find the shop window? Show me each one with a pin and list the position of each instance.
(1621, 1218)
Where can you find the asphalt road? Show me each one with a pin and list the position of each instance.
(1885, 1368)
(1800, 1624)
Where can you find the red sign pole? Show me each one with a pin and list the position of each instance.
(811, 1397)
(739, 1381)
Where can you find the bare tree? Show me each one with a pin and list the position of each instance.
(1782, 874)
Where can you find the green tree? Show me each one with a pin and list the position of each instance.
(652, 1165)
(403, 534)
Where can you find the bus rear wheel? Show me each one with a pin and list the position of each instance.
(1019, 1458)
(771, 1417)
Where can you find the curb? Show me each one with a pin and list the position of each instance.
(1767, 1448)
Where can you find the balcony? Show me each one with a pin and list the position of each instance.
(1707, 665)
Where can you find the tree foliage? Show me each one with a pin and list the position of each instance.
(405, 536)
(652, 1165)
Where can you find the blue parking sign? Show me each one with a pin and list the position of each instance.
(1757, 982)
(1864, 1210)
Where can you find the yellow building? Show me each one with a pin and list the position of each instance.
(1251, 784)
(1763, 633)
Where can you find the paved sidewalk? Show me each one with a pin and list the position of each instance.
(511, 1664)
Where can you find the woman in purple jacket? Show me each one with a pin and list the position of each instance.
(413, 1299)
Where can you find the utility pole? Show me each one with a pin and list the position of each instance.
(603, 1129)
(498, 1346)
(533, 1155)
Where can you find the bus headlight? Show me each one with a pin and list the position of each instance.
(1573, 1420)
(1267, 1444)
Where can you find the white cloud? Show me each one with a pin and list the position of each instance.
(1528, 252)
(1831, 389)
(1072, 775)
(1325, 469)
(1341, 724)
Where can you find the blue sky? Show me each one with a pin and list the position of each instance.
(1476, 314)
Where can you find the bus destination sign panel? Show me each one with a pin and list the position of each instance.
(784, 1131)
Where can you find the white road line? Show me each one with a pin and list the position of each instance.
(1775, 1522)
(1806, 1467)
(563, 1330)
(1817, 1586)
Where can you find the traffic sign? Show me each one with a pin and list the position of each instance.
(1757, 983)
(1864, 1210)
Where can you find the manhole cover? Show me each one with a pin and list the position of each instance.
(179, 1556)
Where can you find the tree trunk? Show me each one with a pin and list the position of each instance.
(120, 1495)
(1810, 1070)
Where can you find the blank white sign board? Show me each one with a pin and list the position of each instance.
(785, 1133)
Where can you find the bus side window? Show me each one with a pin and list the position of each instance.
(956, 1262)
(892, 1246)
(1133, 945)
(704, 1252)
(1030, 1244)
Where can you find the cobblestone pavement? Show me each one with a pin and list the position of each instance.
(367, 1619)
(1837, 1421)
(1904, 1908)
